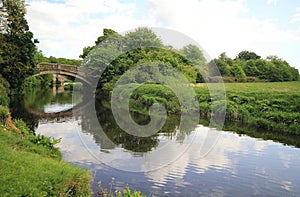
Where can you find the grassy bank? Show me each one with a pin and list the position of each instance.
(267, 106)
(31, 165)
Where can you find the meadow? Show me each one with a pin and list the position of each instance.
(268, 106)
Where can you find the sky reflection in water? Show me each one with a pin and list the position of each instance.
(236, 164)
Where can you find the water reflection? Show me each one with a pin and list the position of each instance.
(45, 104)
(236, 165)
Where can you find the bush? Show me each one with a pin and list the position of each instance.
(3, 100)
(4, 113)
(4, 86)
(3, 82)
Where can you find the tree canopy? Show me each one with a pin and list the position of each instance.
(248, 66)
(17, 43)
(121, 52)
(117, 53)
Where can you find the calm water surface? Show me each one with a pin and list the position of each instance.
(167, 164)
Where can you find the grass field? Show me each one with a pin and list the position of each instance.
(266, 106)
(270, 87)
(31, 166)
(263, 87)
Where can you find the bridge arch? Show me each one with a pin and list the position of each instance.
(63, 69)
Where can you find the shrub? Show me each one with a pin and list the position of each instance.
(20, 124)
(3, 100)
(4, 113)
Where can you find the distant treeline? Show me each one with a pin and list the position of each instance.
(246, 67)
(39, 57)
(250, 67)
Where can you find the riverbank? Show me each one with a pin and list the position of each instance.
(30, 164)
(268, 106)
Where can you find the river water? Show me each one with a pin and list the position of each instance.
(170, 163)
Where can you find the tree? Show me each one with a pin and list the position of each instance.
(107, 33)
(142, 37)
(116, 54)
(224, 58)
(246, 55)
(250, 69)
(223, 64)
(194, 54)
(17, 44)
(3, 25)
(237, 71)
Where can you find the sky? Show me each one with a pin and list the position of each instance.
(267, 27)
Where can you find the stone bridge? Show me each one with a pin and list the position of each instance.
(62, 69)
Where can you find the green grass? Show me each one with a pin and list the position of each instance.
(29, 168)
(266, 106)
(260, 87)
(267, 87)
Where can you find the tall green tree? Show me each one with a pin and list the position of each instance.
(223, 64)
(118, 53)
(107, 33)
(142, 37)
(17, 44)
(246, 55)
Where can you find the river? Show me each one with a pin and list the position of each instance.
(169, 163)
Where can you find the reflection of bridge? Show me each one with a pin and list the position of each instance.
(61, 114)
(68, 113)
(63, 69)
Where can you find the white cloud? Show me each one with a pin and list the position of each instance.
(65, 28)
(217, 25)
(220, 25)
(273, 2)
(295, 18)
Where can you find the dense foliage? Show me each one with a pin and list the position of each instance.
(272, 111)
(17, 46)
(115, 54)
(249, 67)
(4, 100)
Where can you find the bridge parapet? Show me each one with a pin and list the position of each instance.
(63, 69)
(53, 66)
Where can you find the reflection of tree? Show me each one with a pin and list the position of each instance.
(288, 139)
(110, 135)
(18, 111)
(37, 98)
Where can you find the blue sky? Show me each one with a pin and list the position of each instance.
(267, 27)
